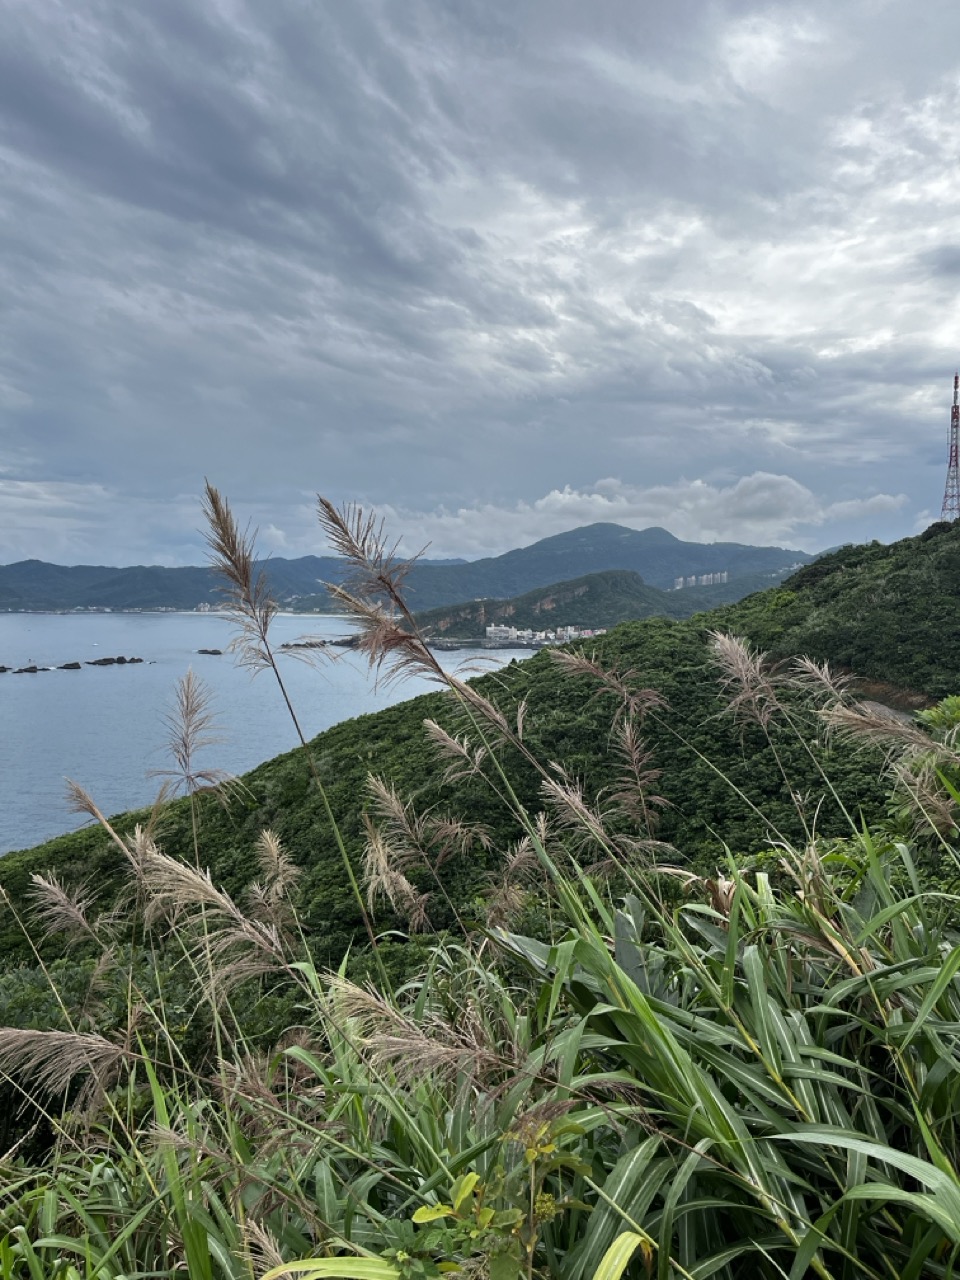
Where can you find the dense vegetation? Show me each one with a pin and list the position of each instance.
(890, 613)
(648, 993)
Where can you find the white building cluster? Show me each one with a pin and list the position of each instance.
(505, 635)
(701, 580)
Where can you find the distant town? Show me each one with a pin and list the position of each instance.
(500, 635)
(700, 580)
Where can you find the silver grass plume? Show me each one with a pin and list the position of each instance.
(262, 1252)
(269, 897)
(51, 1059)
(79, 800)
(249, 604)
(749, 685)
(189, 728)
(412, 1048)
(635, 703)
(820, 680)
(253, 609)
(582, 821)
(421, 839)
(519, 878)
(382, 878)
(466, 761)
(279, 873)
(873, 725)
(388, 635)
(62, 910)
(634, 796)
(914, 759)
(372, 592)
(241, 947)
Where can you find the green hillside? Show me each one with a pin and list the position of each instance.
(593, 601)
(891, 613)
(885, 612)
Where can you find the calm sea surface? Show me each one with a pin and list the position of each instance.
(103, 726)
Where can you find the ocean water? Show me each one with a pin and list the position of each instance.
(104, 726)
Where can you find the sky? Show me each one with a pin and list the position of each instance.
(493, 268)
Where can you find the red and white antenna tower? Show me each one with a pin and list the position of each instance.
(951, 494)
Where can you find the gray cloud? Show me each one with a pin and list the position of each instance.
(944, 260)
(449, 257)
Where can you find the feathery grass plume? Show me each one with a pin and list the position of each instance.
(418, 1049)
(405, 826)
(820, 680)
(452, 836)
(375, 570)
(190, 1138)
(79, 800)
(277, 868)
(262, 1252)
(919, 786)
(279, 873)
(62, 910)
(635, 703)
(382, 878)
(748, 684)
(421, 839)
(189, 724)
(874, 725)
(50, 1060)
(274, 1082)
(387, 631)
(466, 760)
(914, 759)
(505, 903)
(634, 796)
(269, 897)
(402, 839)
(372, 592)
(532, 1126)
(249, 604)
(521, 875)
(580, 820)
(240, 948)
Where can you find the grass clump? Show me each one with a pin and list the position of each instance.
(611, 1065)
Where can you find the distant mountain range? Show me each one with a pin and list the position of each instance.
(656, 555)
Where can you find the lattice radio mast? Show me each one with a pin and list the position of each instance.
(951, 494)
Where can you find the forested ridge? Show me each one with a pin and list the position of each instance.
(593, 600)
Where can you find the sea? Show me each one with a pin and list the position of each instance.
(104, 727)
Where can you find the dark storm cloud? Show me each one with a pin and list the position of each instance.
(493, 266)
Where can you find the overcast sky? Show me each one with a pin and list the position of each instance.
(496, 267)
